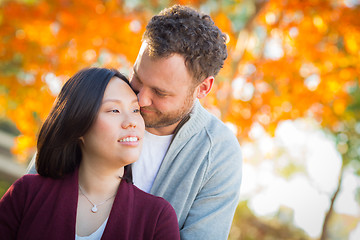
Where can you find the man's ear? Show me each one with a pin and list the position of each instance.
(204, 88)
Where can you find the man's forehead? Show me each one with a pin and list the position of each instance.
(171, 71)
(140, 54)
(156, 85)
(143, 48)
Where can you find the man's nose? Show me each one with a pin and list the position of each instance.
(144, 97)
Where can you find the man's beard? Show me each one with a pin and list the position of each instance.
(159, 119)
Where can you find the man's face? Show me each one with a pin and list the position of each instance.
(166, 91)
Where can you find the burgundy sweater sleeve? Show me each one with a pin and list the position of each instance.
(167, 227)
(11, 210)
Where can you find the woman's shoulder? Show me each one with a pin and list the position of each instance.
(26, 186)
(140, 193)
(156, 207)
(147, 198)
(32, 182)
(160, 211)
(28, 179)
(32, 179)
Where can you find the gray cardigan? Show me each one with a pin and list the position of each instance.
(201, 176)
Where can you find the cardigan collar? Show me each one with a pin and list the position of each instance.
(119, 220)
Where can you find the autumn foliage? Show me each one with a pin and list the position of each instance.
(314, 74)
(288, 59)
(45, 42)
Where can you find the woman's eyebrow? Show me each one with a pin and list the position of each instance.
(118, 100)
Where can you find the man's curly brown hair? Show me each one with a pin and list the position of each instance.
(191, 34)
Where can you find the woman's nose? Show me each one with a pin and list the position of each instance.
(128, 122)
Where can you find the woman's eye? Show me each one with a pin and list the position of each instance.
(115, 111)
(136, 110)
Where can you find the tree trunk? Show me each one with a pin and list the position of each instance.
(259, 5)
(330, 211)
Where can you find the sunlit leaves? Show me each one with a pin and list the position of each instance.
(287, 59)
(45, 42)
(306, 65)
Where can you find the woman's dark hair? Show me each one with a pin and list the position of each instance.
(74, 112)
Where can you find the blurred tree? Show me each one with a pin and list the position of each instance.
(44, 42)
(254, 228)
(294, 59)
(3, 187)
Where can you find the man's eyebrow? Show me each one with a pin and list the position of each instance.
(154, 88)
(161, 91)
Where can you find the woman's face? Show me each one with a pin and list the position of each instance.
(116, 136)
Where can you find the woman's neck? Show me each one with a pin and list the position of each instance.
(99, 182)
(99, 186)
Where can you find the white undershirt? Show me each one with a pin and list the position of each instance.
(95, 235)
(152, 154)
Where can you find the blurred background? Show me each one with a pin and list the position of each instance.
(289, 90)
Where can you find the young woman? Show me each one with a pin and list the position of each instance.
(84, 187)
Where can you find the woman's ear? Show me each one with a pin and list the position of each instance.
(204, 88)
(81, 139)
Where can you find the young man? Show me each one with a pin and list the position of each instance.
(189, 157)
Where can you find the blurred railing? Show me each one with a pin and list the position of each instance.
(10, 170)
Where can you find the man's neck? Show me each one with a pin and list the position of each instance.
(168, 130)
(162, 131)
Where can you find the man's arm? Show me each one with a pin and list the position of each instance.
(211, 214)
(31, 167)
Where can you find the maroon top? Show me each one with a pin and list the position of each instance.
(35, 207)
